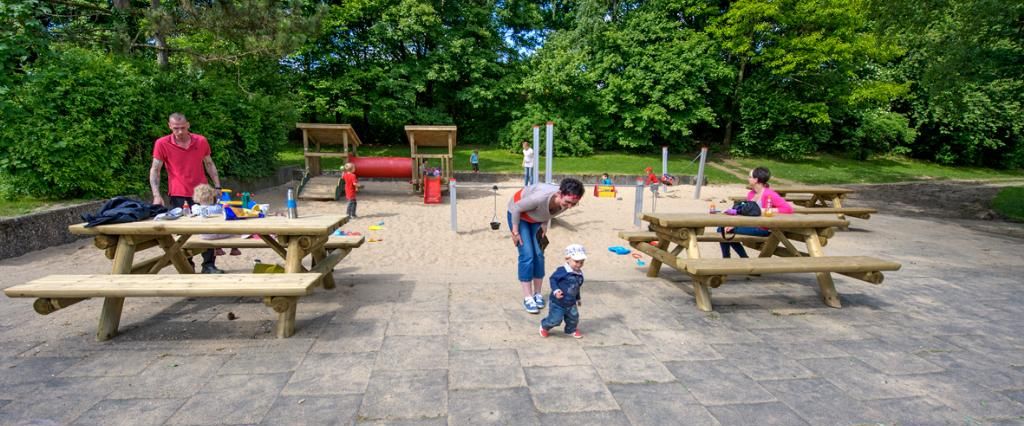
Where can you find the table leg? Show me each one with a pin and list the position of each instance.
(285, 308)
(319, 254)
(110, 315)
(825, 283)
(655, 267)
(701, 286)
(837, 202)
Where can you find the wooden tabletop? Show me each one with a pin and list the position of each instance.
(778, 221)
(305, 225)
(811, 189)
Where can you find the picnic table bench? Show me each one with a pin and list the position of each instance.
(279, 291)
(687, 230)
(292, 239)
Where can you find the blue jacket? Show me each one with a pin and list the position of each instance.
(569, 281)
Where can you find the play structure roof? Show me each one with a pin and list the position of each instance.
(329, 134)
(431, 135)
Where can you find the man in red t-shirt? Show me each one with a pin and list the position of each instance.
(351, 182)
(187, 159)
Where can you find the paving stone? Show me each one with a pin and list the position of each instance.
(231, 399)
(473, 311)
(859, 380)
(820, 402)
(586, 418)
(492, 407)
(605, 332)
(804, 350)
(762, 361)
(552, 352)
(966, 397)
(405, 394)
(710, 330)
(170, 377)
(766, 413)
(4, 402)
(351, 336)
(1016, 395)
(111, 363)
(660, 404)
(628, 364)
(331, 374)
(20, 376)
(668, 345)
(14, 347)
(413, 353)
(130, 412)
(718, 382)
(877, 354)
(479, 335)
(568, 389)
(57, 400)
(314, 410)
(486, 369)
(436, 421)
(261, 363)
(418, 323)
(915, 411)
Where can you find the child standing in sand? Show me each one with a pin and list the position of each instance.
(565, 293)
(349, 176)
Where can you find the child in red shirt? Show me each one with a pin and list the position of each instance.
(349, 176)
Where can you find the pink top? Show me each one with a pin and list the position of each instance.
(780, 204)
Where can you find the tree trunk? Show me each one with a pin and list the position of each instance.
(158, 34)
(727, 140)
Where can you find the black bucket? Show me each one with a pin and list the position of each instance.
(495, 225)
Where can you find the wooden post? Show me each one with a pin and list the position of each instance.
(285, 308)
(110, 315)
(305, 149)
(825, 283)
(319, 253)
(701, 290)
(293, 261)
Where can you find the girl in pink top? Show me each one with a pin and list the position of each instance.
(761, 194)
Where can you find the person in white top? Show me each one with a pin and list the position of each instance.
(527, 164)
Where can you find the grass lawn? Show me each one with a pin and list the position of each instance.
(497, 160)
(829, 169)
(1009, 202)
(21, 206)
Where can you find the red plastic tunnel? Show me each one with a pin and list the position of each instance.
(386, 167)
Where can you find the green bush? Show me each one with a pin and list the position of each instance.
(82, 124)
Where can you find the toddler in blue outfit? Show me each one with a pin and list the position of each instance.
(565, 293)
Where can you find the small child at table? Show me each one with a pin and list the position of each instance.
(565, 293)
(205, 197)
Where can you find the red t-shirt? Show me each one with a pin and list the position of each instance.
(350, 185)
(185, 168)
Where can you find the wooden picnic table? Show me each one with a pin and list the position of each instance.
(820, 196)
(778, 254)
(292, 239)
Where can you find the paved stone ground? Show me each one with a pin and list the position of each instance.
(938, 343)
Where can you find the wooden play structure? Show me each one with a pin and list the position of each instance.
(315, 186)
(432, 136)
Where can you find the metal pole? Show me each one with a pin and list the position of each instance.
(700, 171)
(638, 206)
(664, 160)
(549, 151)
(536, 154)
(452, 201)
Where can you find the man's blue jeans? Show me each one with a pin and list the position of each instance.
(556, 313)
(531, 258)
(527, 176)
(741, 230)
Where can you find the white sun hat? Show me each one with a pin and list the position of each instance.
(576, 252)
